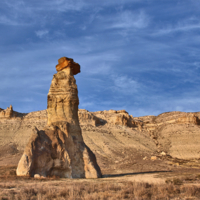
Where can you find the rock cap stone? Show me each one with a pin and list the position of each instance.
(65, 62)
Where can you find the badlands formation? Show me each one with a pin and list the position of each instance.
(69, 142)
(58, 149)
(122, 143)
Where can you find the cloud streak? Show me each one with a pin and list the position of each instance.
(189, 24)
(124, 85)
(128, 19)
(41, 33)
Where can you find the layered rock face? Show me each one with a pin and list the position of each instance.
(63, 98)
(59, 149)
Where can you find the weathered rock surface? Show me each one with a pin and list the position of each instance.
(59, 148)
(7, 113)
(63, 98)
(54, 152)
(119, 148)
(65, 62)
(152, 134)
(87, 118)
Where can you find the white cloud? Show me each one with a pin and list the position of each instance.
(56, 5)
(197, 65)
(63, 5)
(187, 102)
(183, 25)
(124, 84)
(11, 21)
(128, 19)
(155, 104)
(169, 29)
(36, 12)
(41, 33)
(16, 13)
(100, 69)
(78, 5)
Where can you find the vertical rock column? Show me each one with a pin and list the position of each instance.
(59, 149)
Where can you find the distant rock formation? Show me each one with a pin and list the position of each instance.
(86, 117)
(59, 149)
(7, 113)
(189, 119)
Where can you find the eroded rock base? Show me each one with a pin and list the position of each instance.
(54, 152)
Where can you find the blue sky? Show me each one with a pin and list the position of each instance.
(139, 55)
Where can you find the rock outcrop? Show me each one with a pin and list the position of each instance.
(7, 113)
(189, 119)
(123, 120)
(59, 149)
(86, 118)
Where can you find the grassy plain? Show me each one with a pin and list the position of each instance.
(155, 185)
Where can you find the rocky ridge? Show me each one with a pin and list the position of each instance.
(114, 136)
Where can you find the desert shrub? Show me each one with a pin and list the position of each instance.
(94, 190)
(191, 191)
(177, 181)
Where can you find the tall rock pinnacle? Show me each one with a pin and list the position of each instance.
(63, 95)
(59, 149)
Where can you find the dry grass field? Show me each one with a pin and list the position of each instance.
(177, 185)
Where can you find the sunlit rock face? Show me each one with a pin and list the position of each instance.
(7, 113)
(59, 149)
(65, 62)
(63, 98)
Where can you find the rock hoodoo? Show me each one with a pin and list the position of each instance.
(59, 149)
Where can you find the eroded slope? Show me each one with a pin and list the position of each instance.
(119, 140)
